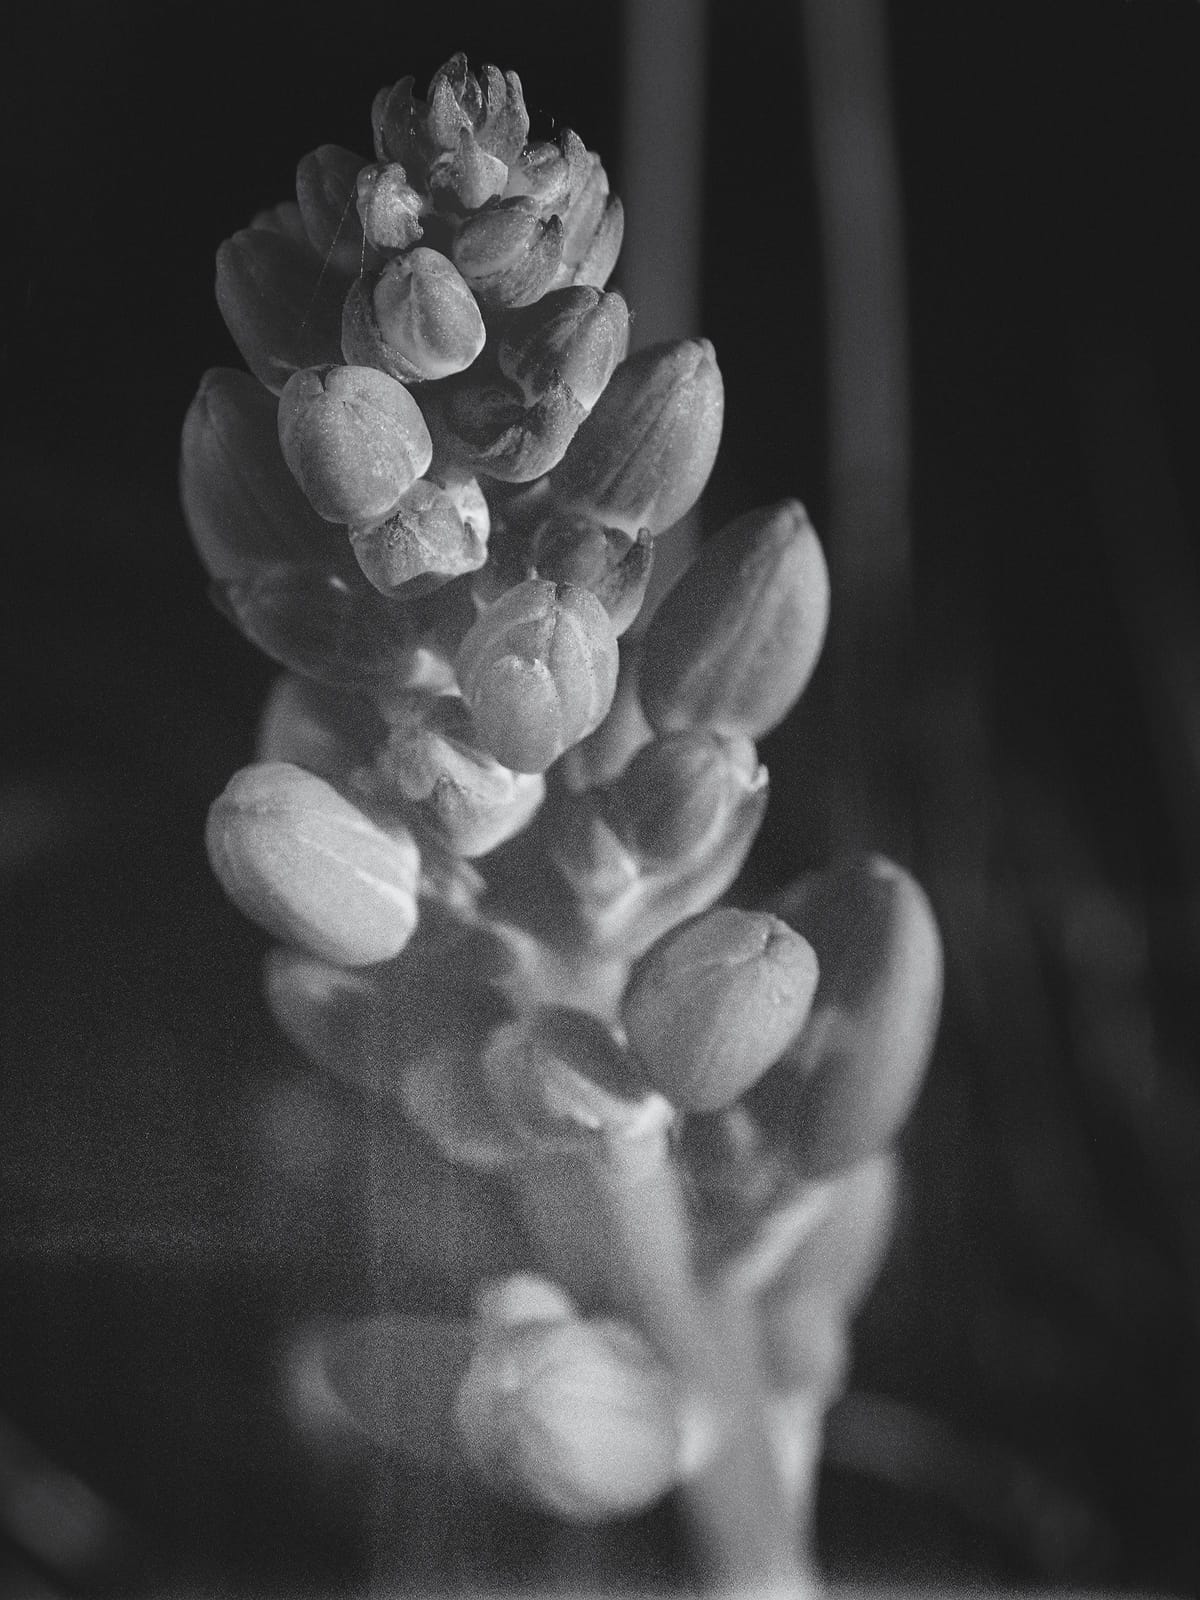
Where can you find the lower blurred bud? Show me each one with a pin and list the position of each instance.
(435, 533)
(674, 797)
(578, 1418)
(538, 670)
(281, 305)
(326, 188)
(302, 862)
(516, 1301)
(844, 1089)
(715, 1002)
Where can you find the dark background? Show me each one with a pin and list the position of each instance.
(1037, 1331)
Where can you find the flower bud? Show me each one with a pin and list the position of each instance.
(431, 758)
(603, 248)
(387, 206)
(576, 334)
(309, 867)
(242, 505)
(492, 107)
(520, 1299)
(593, 223)
(714, 1003)
(323, 730)
(645, 453)
(602, 757)
(734, 643)
(845, 1087)
(839, 1256)
(280, 303)
(326, 187)
(336, 630)
(561, 1082)
(538, 670)
(419, 322)
(507, 253)
(488, 427)
(354, 438)
(574, 549)
(284, 218)
(434, 533)
(549, 172)
(579, 1418)
(468, 176)
(676, 793)
(397, 121)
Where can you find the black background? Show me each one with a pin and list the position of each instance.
(1040, 1318)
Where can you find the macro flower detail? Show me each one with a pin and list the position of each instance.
(490, 823)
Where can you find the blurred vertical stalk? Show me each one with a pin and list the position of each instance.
(664, 67)
(867, 521)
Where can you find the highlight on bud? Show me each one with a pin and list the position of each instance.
(419, 321)
(354, 439)
(581, 1419)
(306, 865)
(715, 1002)
(644, 455)
(431, 758)
(279, 302)
(561, 1081)
(387, 206)
(508, 253)
(734, 644)
(844, 1088)
(575, 334)
(437, 531)
(538, 670)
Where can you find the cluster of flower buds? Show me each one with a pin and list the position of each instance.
(490, 821)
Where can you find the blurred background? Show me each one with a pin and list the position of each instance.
(948, 259)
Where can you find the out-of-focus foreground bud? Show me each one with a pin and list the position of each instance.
(644, 455)
(577, 335)
(280, 303)
(437, 531)
(734, 643)
(714, 1003)
(432, 758)
(419, 321)
(323, 730)
(388, 207)
(573, 549)
(538, 670)
(578, 1418)
(302, 862)
(242, 505)
(675, 796)
(324, 626)
(326, 189)
(561, 1081)
(845, 1087)
(354, 439)
(507, 253)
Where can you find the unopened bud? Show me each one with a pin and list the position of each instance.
(677, 792)
(354, 438)
(571, 548)
(242, 505)
(468, 175)
(489, 428)
(507, 253)
(538, 670)
(579, 1418)
(604, 755)
(387, 206)
(431, 758)
(645, 453)
(603, 248)
(593, 223)
(420, 321)
(323, 626)
(281, 305)
(326, 188)
(713, 1004)
(576, 334)
(306, 865)
(549, 172)
(492, 106)
(839, 1257)
(734, 643)
(561, 1081)
(436, 532)
(845, 1087)
(397, 120)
